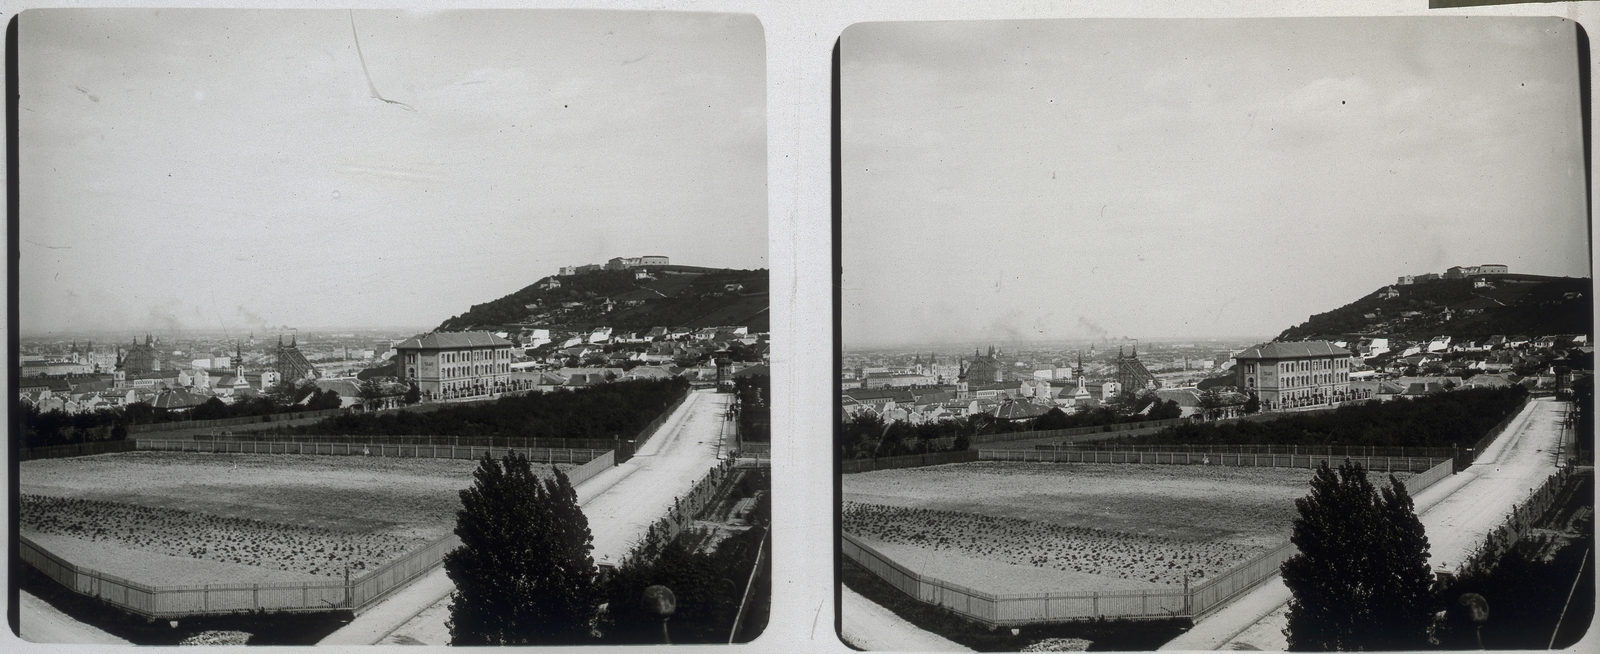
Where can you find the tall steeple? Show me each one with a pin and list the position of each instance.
(961, 379)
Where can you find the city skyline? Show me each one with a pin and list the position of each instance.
(239, 169)
(1196, 178)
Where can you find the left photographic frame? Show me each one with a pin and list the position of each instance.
(324, 315)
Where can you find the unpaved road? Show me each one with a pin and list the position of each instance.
(620, 504)
(42, 623)
(1457, 512)
(871, 627)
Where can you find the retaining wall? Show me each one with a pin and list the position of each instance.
(1475, 452)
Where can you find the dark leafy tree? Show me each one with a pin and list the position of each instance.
(1457, 418)
(1055, 418)
(523, 573)
(1165, 410)
(1252, 405)
(210, 410)
(413, 394)
(372, 393)
(1361, 578)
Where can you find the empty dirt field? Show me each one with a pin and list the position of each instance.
(184, 518)
(1039, 527)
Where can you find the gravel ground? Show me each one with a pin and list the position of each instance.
(1247, 507)
(408, 498)
(156, 569)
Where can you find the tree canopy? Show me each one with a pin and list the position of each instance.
(1459, 417)
(524, 574)
(1361, 579)
(603, 411)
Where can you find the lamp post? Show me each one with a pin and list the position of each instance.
(1479, 608)
(660, 599)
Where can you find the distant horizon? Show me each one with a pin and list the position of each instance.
(235, 169)
(123, 334)
(1025, 179)
(1128, 339)
(984, 344)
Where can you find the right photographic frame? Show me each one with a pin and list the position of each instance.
(1191, 334)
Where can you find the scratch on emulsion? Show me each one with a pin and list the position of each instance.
(370, 86)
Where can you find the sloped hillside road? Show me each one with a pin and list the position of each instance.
(871, 627)
(42, 623)
(1457, 513)
(620, 503)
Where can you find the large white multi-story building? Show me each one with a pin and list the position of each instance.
(1286, 376)
(455, 362)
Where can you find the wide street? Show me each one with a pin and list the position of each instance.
(1457, 512)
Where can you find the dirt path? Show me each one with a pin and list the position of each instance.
(42, 623)
(620, 504)
(871, 627)
(1456, 512)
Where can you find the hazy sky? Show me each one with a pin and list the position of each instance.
(197, 169)
(1014, 180)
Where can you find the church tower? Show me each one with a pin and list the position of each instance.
(961, 383)
(119, 378)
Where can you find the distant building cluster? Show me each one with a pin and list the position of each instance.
(1456, 272)
(450, 366)
(989, 383)
(1319, 374)
(616, 263)
(75, 379)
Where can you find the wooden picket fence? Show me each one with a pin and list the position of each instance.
(1517, 526)
(540, 455)
(1220, 458)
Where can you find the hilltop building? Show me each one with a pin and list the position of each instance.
(1289, 376)
(1457, 272)
(442, 364)
(624, 263)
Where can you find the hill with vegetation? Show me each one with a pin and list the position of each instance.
(1531, 305)
(674, 296)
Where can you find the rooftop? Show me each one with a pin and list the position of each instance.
(448, 340)
(1296, 350)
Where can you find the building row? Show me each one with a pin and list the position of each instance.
(1457, 272)
(616, 263)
